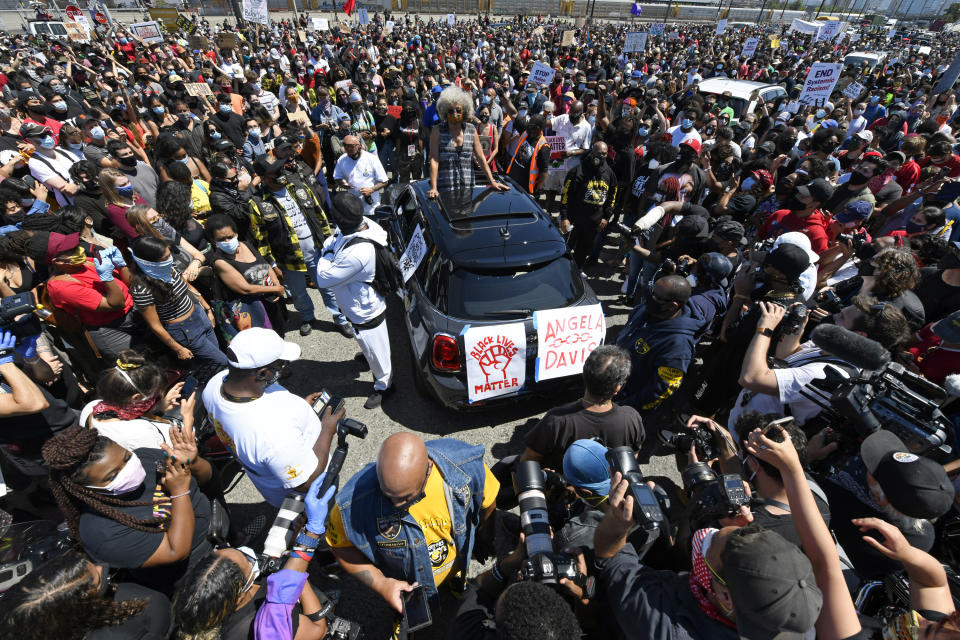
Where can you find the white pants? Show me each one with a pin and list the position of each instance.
(375, 344)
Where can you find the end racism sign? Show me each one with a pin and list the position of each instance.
(565, 337)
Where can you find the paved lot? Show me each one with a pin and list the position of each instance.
(327, 362)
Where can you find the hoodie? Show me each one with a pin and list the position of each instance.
(348, 272)
(660, 352)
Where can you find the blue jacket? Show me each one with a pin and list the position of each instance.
(660, 352)
(400, 552)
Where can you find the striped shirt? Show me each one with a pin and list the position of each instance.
(176, 306)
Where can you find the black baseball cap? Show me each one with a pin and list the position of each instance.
(266, 164)
(915, 486)
(717, 266)
(820, 190)
(348, 209)
(730, 230)
(774, 591)
(788, 259)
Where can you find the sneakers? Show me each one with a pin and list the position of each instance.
(346, 330)
(375, 399)
(306, 327)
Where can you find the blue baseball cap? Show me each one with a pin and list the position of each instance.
(436, 89)
(855, 212)
(585, 466)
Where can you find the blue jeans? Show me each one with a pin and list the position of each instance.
(196, 333)
(296, 281)
(640, 273)
(322, 181)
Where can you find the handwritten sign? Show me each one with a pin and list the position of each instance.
(198, 43)
(197, 89)
(674, 35)
(854, 37)
(496, 358)
(541, 74)
(854, 90)
(721, 26)
(342, 84)
(820, 82)
(635, 42)
(567, 39)
(829, 30)
(147, 31)
(363, 17)
(302, 35)
(565, 337)
(227, 40)
(749, 48)
(451, 19)
(657, 29)
(185, 24)
(413, 255)
(320, 24)
(256, 11)
(388, 26)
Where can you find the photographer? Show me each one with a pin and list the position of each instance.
(787, 387)
(221, 595)
(277, 436)
(595, 416)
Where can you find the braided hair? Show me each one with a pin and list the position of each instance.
(207, 597)
(69, 454)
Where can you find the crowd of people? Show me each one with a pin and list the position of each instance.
(789, 272)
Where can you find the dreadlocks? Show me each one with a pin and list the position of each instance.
(68, 454)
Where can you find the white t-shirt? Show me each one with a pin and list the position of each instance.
(576, 136)
(129, 434)
(272, 436)
(42, 168)
(679, 136)
(365, 171)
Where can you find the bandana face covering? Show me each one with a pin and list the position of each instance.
(79, 257)
(156, 270)
(700, 576)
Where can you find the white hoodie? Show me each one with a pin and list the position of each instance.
(347, 272)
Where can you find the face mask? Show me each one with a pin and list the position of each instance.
(915, 227)
(229, 246)
(60, 106)
(58, 88)
(125, 192)
(484, 118)
(156, 270)
(78, 257)
(130, 477)
(48, 142)
(225, 108)
(747, 184)
(686, 124)
(592, 119)
(454, 118)
(255, 568)
(653, 164)
(874, 100)
(159, 110)
(128, 161)
(76, 146)
(215, 135)
(595, 160)
(858, 179)
(255, 133)
(97, 133)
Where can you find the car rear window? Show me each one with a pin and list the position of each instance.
(506, 293)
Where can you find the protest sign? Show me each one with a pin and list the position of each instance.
(538, 31)
(452, 19)
(657, 29)
(854, 37)
(541, 74)
(342, 84)
(147, 31)
(496, 357)
(165, 15)
(565, 337)
(635, 42)
(892, 32)
(413, 254)
(197, 89)
(721, 26)
(949, 77)
(185, 24)
(820, 82)
(363, 17)
(558, 146)
(674, 35)
(749, 47)
(227, 40)
(320, 24)
(255, 11)
(302, 36)
(76, 32)
(567, 39)
(828, 31)
(853, 90)
(198, 43)
(802, 26)
(388, 25)
(774, 42)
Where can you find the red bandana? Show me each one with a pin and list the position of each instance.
(700, 578)
(134, 411)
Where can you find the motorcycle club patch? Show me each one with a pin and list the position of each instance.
(389, 527)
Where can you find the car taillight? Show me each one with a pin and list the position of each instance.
(446, 353)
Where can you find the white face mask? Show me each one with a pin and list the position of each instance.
(654, 163)
(129, 478)
(254, 570)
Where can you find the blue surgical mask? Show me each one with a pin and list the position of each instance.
(592, 119)
(820, 114)
(156, 270)
(48, 142)
(97, 132)
(125, 192)
(229, 246)
(76, 146)
(159, 110)
(686, 123)
(215, 135)
(643, 132)
(225, 108)
(60, 105)
(184, 160)
(747, 184)
(255, 133)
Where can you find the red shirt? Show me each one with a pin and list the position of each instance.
(953, 162)
(54, 125)
(81, 293)
(935, 361)
(813, 226)
(908, 175)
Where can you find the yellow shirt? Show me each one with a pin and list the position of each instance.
(200, 197)
(434, 520)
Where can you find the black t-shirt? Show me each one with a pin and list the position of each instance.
(118, 545)
(621, 426)
(153, 623)
(232, 124)
(385, 121)
(888, 193)
(783, 523)
(520, 170)
(939, 298)
(475, 616)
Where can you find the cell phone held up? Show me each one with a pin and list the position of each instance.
(325, 400)
(416, 609)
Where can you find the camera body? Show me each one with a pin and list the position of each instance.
(854, 240)
(646, 508)
(543, 564)
(794, 319)
(12, 307)
(829, 301)
(699, 437)
(759, 251)
(713, 497)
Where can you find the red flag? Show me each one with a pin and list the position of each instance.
(349, 6)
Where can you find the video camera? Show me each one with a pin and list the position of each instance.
(712, 497)
(853, 240)
(17, 315)
(542, 564)
(890, 398)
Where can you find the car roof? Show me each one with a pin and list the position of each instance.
(737, 88)
(506, 229)
(866, 54)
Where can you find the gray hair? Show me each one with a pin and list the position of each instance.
(606, 369)
(454, 95)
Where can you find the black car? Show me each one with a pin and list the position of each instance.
(490, 258)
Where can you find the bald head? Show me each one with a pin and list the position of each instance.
(599, 148)
(402, 467)
(351, 141)
(673, 288)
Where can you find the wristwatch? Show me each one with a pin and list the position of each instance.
(304, 540)
(765, 332)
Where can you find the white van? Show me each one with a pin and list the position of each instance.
(744, 94)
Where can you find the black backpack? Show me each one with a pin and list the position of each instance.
(387, 276)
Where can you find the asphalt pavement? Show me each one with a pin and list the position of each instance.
(328, 362)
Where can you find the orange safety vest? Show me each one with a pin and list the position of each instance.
(534, 169)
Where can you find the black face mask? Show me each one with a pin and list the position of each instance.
(686, 158)
(782, 188)
(794, 203)
(128, 161)
(575, 117)
(594, 160)
(865, 268)
(857, 179)
(828, 148)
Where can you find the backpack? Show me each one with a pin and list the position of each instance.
(387, 276)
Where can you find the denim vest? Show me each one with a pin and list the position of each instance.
(395, 543)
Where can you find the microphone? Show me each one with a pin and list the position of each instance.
(850, 347)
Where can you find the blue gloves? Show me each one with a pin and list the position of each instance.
(28, 347)
(115, 256)
(110, 258)
(7, 343)
(318, 507)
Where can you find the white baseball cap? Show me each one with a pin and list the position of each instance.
(257, 347)
(795, 238)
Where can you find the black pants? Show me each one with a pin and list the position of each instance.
(582, 237)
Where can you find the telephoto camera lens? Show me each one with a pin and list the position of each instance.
(696, 474)
(528, 483)
(281, 532)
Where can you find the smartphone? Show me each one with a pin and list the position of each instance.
(416, 610)
(189, 386)
(324, 400)
(776, 425)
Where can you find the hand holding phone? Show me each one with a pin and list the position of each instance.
(189, 386)
(416, 609)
